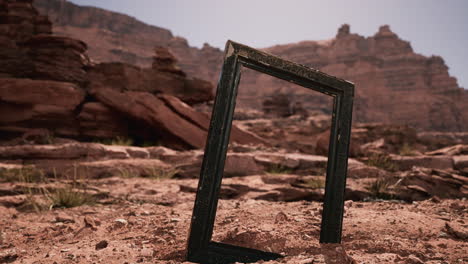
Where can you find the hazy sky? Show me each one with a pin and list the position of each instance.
(434, 27)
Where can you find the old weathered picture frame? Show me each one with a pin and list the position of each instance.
(200, 248)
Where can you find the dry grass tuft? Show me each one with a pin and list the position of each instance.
(278, 169)
(382, 161)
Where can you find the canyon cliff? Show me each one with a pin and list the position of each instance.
(393, 83)
(50, 88)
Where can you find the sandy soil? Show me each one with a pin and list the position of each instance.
(147, 221)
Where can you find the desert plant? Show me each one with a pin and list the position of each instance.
(383, 161)
(315, 183)
(72, 195)
(278, 169)
(49, 139)
(23, 174)
(160, 173)
(122, 141)
(380, 188)
(68, 197)
(118, 141)
(125, 173)
(34, 200)
(40, 197)
(406, 150)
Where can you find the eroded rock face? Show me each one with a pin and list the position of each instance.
(390, 77)
(29, 50)
(173, 121)
(97, 120)
(58, 58)
(27, 104)
(126, 77)
(48, 83)
(153, 111)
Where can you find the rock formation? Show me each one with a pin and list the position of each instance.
(394, 84)
(48, 84)
(124, 39)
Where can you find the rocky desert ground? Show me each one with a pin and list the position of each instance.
(73, 202)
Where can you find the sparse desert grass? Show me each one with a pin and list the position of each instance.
(382, 161)
(117, 141)
(278, 169)
(160, 173)
(73, 193)
(156, 173)
(42, 193)
(407, 150)
(23, 174)
(49, 139)
(122, 141)
(126, 173)
(380, 188)
(315, 183)
(69, 197)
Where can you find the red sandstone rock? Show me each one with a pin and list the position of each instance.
(371, 138)
(175, 122)
(125, 77)
(27, 49)
(27, 104)
(58, 58)
(452, 150)
(418, 90)
(202, 120)
(434, 162)
(164, 61)
(153, 111)
(99, 121)
(35, 92)
(421, 183)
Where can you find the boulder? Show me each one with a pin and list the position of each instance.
(422, 183)
(148, 108)
(202, 120)
(176, 123)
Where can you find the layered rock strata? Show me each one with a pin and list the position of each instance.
(49, 86)
(394, 84)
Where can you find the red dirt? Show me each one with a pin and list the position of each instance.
(147, 221)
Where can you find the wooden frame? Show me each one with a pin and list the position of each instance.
(200, 248)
